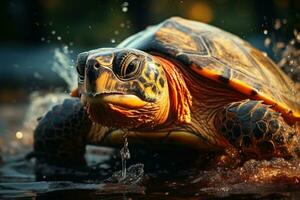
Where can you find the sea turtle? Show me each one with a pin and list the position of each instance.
(178, 84)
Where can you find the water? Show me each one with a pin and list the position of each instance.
(125, 155)
(64, 67)
(121, 177)
(286, 52)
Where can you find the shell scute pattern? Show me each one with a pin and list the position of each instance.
(222, 57)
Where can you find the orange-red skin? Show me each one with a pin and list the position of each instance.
(243, 88)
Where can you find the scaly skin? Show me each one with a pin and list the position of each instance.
(60, 136)
(257, 131)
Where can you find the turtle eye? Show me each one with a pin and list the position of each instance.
(129, 67)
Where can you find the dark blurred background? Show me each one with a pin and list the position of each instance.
(32, 29)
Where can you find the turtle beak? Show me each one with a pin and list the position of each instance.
(101, 80)
(102, 85)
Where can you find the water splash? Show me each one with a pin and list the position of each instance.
(256, 176)
(290, 57)
(135, 174)
(125, 155)
(287, 53)
(131, 175)
(64, 67)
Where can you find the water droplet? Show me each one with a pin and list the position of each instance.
(19, 135)
(124, 9)
(122, 25)
(277, 24)
(58, 37)
(265, 32)
(43, 39)
(292, 42)
(113, 40)
(53, 32)
(90, 27)
(116, 32)
(267, 42)
(125, 4)
(66, 48)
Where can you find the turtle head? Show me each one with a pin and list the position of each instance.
(124, 88)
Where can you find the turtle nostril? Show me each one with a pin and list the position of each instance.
(96, 65)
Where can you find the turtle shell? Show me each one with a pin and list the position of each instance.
(223, 57)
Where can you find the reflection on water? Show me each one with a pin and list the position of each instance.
(275, 179)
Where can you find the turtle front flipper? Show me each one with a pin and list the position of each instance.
(256, 130)
(60, 136)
